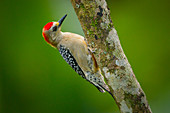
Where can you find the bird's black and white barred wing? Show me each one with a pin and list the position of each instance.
(68, 57)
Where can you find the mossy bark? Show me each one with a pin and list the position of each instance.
(102, 37)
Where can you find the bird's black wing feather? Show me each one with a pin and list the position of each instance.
(68, 57)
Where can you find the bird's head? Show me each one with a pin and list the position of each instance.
(51, 30)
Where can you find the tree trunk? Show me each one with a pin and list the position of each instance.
(102, 37)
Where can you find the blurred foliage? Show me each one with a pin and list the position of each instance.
(35, 79)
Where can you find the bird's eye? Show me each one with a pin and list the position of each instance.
(55, 28)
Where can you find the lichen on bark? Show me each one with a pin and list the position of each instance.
(102, 37)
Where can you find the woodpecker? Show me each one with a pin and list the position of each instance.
(75, 51)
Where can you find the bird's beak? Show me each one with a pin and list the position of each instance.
(61, 20)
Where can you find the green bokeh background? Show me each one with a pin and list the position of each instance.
(35, 79)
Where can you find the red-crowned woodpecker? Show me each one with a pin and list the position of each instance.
(73, 48)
